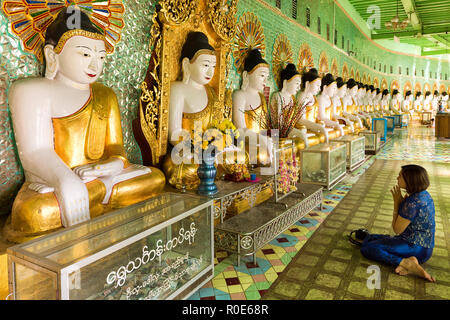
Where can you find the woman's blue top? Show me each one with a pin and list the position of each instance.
(419, 209)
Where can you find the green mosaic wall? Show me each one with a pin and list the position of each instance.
(125, 69)
(276, 21)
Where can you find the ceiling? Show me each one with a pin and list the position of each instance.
(429, 27)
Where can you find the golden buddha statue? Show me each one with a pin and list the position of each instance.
(315, 132)
(249, 105)
(193, 104)
(290, 83)
(69, 139)
(325, 102)
(338, 107)
(349, 105)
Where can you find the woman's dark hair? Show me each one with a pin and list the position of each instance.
(385, 92)
(416, 178)
(436, 93)
(428, 93)
(378, 91)
(309, 76)
(340, 82)
(327, 80)
(351, 83)
(195, 41)
(59, 26)
(418, 94)
(288, 73)
(394, 92)
(407, 94)
(372, 88)
(444, 94)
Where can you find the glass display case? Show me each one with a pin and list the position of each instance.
(390, 124)
(324, 164)
(158, 249)
(426, 118)
(372, 141)
(355, 150)
(380, 125)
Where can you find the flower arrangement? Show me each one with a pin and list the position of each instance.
(218, 135)
(280, 116)
(288, 175)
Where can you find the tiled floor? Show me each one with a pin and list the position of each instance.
(329, 267)
(251, 282)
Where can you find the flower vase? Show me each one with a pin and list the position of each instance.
(207, 173)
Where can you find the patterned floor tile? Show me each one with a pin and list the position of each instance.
(292, 256)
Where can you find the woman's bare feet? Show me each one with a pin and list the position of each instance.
(401, 271)
(411, 265)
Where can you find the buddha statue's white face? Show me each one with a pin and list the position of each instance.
(201, 70)
(257, 79)
(361, 92)
(81, 59)
(354, 91)
(331, 89)
(342, 91)
(292, 86)
(313, 87)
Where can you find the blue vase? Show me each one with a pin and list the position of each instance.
(207, 173)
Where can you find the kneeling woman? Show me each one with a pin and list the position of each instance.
(413, 222)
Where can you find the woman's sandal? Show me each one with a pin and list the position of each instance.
(360, 235)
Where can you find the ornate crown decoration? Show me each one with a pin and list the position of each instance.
(30, 19)
(323, 64)
(334, 68)
(345, 74)
(281, 56)
(249, 35)
(305, 59)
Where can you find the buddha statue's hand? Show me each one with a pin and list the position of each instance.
(110, 167)
(73, 198)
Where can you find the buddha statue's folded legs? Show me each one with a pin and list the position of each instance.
(70, 141)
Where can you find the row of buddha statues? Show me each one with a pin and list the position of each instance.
(69, 138)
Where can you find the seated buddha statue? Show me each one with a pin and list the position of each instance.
(192, 107)
(338, 107)
(69, 138)
(396, 102)
(328, 90)
(361, 99)
(445, 102)
(426, 107)
(290, 83)
(349, 103)
(377, 103)
(435, 102)
(316, 132)
(249, 103)
(418, 102)
(372, 102)
(385, 101)
(407, 105)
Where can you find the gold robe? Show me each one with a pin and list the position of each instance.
(91, 134)
(258, 112)
(185, 174)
